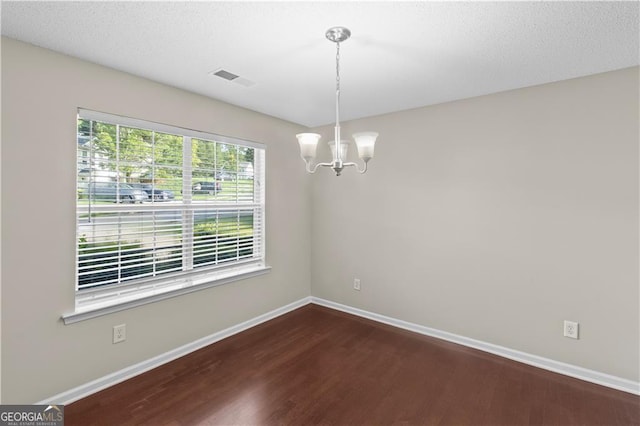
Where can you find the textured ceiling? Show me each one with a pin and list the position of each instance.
(401, 54)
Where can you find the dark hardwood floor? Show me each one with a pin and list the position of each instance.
(319, 366)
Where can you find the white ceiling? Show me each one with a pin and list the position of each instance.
(401, 54)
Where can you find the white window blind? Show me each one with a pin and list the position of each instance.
(157, 202)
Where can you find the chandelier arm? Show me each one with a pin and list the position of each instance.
(361, 171)
(315, 167)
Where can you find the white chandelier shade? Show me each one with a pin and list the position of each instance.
(365, 141)
(344, 149)
(308, 145)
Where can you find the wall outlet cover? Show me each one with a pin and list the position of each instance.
(571, 329)
(119, 333)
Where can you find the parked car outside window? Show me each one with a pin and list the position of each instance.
(224, 176)
(156, 194)
(109, 191)
(207, 187)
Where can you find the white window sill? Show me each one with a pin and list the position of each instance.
(92, 305)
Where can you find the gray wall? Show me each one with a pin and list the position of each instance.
(497, 218)
(41, 91)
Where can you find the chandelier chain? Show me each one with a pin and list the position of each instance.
(338, 88)
(338, 66)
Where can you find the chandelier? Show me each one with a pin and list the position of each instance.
(365, 141)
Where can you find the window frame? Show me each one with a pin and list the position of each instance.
(101, 300)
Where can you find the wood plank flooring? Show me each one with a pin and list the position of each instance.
(317, 366)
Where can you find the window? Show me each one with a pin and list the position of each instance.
(161, 208)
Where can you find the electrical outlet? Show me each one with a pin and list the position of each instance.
(119, 333)
(356, 284)
(571, 329)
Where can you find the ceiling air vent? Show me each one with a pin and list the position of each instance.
(225, 74)
(229, 76)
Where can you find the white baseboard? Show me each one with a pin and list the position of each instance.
(537, 361)
(94, 386)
